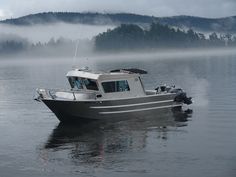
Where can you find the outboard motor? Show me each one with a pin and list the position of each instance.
(181, 96)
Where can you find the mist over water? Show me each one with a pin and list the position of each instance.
(33, 143)
(43, 33)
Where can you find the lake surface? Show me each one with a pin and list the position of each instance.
(201, 143)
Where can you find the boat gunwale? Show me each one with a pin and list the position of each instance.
(109, 99)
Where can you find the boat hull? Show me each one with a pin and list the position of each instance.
(74, 110)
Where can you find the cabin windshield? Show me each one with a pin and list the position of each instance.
(75, 83)
(81, 83)
(115, 86)
(90, 84)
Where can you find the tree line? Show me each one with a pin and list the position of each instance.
(132, 37)
(60, 47)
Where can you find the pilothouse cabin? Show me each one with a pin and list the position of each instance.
(106, 85)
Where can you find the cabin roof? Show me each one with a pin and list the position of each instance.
(100, 75)
(130, 70)
(83, 74)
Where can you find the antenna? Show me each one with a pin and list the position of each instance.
(76, 50)
(75, 55)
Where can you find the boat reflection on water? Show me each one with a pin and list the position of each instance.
(90, 142)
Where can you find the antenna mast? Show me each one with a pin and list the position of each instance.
(76, 51)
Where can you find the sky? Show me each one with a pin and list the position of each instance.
(160, 8)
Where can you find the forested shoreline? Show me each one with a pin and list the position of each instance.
(133, 37)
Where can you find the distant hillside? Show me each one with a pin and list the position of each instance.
(222, 25)
(84, 18)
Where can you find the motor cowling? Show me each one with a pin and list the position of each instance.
(182, 97)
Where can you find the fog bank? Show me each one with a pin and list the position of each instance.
(167, 54)
(43, 33)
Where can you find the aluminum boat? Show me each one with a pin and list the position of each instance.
(108, 95)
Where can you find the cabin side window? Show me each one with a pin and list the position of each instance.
(115, 86)
(90, 84)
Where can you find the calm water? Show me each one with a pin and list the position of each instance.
(203, 143)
